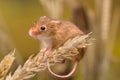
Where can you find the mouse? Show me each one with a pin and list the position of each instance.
(53, 33)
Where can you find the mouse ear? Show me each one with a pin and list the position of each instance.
(55, 22)
(43, 17)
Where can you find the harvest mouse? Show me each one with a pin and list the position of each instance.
(53, 33)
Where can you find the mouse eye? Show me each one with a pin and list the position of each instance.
(43, 27)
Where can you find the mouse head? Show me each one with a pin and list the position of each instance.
(44, 28)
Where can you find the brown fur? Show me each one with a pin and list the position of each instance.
(57, 30)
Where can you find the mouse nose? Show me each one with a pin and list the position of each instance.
(34, 32)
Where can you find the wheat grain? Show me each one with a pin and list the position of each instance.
(37, 63)
(6, 64)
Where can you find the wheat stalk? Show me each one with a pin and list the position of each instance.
(37, 63)
(70, 48)
(5, 64)
(53, 7)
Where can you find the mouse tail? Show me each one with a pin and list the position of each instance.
(63, 76)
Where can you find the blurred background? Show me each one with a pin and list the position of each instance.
(102, 17)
